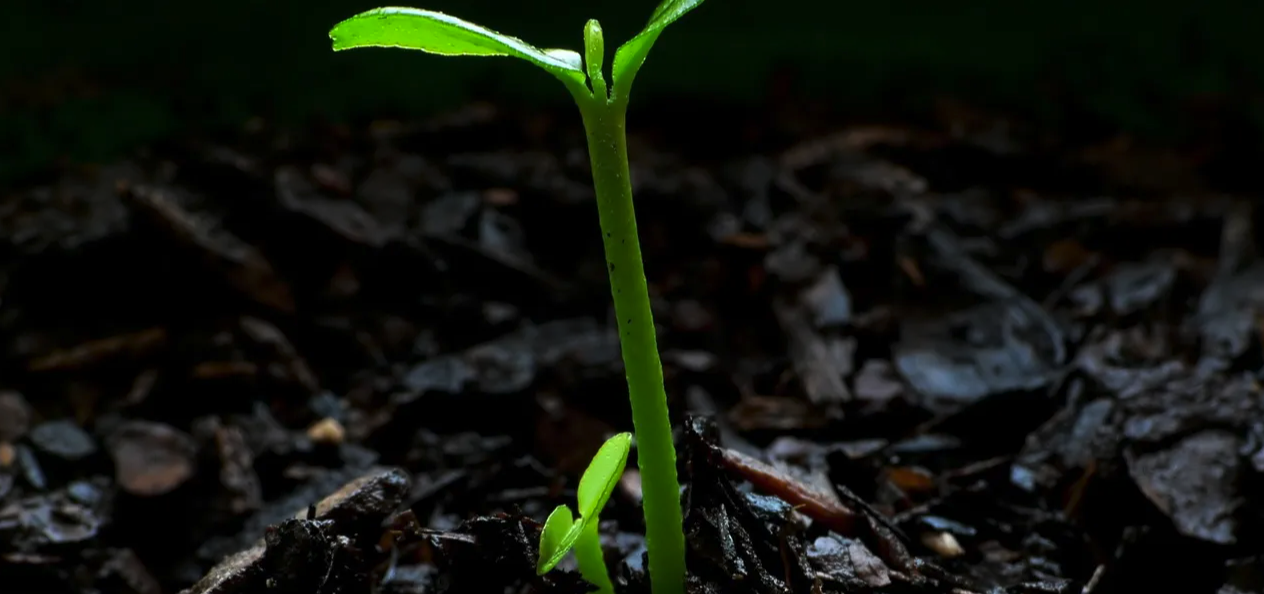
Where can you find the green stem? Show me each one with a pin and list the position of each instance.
(592, 561)
(605, 123)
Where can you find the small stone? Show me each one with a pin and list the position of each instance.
(63, 439)
(151, 458)
(327, 431)
(943, 543)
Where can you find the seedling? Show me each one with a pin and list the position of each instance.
(562, 531)
(604, 112)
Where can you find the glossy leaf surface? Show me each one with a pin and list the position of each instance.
(603, 474)
(446, 35)
(561, 531)
(556, 539)
(631, 55)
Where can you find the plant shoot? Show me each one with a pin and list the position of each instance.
(603, 106)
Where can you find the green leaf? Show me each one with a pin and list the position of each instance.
(556, 540)
(594, 57)
(561, 531)
(602, 475)
(445, 35)
(631, 55)
(670, 10)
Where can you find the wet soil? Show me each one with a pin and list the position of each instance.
(956, 356)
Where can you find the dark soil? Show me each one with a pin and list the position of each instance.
(957, 357)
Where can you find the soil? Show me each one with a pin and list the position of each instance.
(956, 356)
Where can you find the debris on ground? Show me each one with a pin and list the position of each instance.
(372, 359)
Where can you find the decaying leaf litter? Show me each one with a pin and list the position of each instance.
(372, 359)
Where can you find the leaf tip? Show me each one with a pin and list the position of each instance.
(337, 35)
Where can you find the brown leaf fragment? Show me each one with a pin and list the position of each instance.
(821, 361)
(242, 266)
(96, 351)
(270, 337)
(821, 506)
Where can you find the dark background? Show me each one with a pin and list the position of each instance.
(84, 80)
